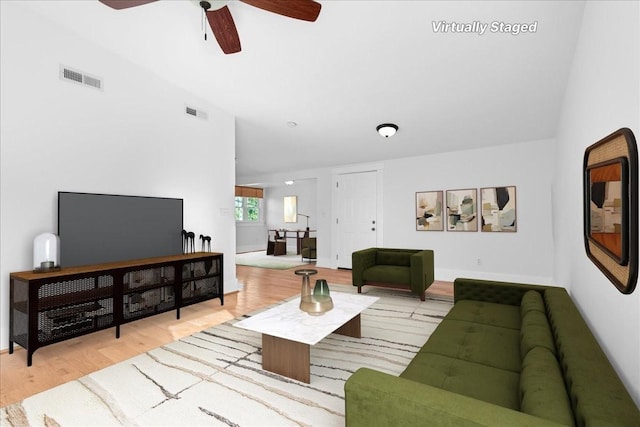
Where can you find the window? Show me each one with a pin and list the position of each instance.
(248, 209)
(248, 206)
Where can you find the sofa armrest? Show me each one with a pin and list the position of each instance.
(360, 261)
(375, 398)
(492, 291)
(422, 274)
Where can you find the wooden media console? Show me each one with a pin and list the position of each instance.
(54, 306)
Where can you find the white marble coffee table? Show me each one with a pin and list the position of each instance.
(288, 332)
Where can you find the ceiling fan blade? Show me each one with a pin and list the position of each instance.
(224, 28)
(306, 10)
(124, 4)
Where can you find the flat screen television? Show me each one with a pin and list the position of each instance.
(99, 228)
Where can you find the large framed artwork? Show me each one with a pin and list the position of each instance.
(429, 211)
(462, 210)
(498, 209)
(611, 208)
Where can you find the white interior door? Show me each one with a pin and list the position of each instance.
(357, 214)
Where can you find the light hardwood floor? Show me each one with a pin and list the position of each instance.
(56, 364)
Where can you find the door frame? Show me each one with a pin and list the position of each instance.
(378, 168)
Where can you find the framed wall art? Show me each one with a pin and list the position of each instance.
(429, 211)
(498, 209)
(611, 208)
(462, 210)
(290, 209)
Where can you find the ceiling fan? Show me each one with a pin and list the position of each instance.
(221, 21)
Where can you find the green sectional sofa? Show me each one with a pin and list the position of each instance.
(507, 354)
(400, 268)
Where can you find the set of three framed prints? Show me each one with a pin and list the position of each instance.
(496, 211)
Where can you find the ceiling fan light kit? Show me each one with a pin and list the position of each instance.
(213, 4)
(387, 129)
(222, 23)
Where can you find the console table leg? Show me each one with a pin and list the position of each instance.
(10, 347)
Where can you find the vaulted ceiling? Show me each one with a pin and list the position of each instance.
(360, 64)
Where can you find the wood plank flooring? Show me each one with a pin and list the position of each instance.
(59, 363)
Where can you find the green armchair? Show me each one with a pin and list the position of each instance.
(412, 269)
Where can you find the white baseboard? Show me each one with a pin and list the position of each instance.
(250, 248)
(234, 286)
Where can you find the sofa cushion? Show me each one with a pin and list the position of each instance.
(482, 382)
(596, 392)
(387, 274)
(483, 344)
(535, 332)
(542, 388)
(400, 258)
(487, 313)
(532, 301)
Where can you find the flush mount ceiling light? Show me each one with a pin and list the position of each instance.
(387, 129)
(289, 182)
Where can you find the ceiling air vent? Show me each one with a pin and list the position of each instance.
(97, 83)
(195, 112)
(75, 76)
(72, 75)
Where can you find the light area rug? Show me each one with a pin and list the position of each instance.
(215, 377)
(261, 259)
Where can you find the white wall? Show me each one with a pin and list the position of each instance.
(603, 95)
(305, 192)
(526, 255)
(251, 237)
(131, 138)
